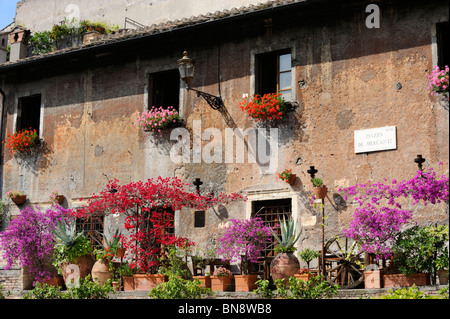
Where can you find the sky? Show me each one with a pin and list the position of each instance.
(7, 12)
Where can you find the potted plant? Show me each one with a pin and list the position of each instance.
(308, 254)
(320, 191)
(56, 198)
(287, 176)
(72, 252)
(244, 240)
(157, 119)
(28, 241)
(438, 81)
(304, 274)
(413, 258)
(17, 197)
(125, 273)
(22, 142)
(103, 266)
(285, 264)
(269, 107)
(221, 279)
(441, 263)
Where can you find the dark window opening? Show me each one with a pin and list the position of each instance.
(442, 33)
(199, 219)
(29, 113)
(273, 73)
(164, 89)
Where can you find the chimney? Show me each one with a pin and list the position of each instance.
(17, 39)
(3, 46)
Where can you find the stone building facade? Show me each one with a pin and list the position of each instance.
(344, 75)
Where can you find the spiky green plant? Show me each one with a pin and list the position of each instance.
(289, 235)
(66, 233)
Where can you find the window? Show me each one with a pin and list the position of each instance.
(29, 113)
(199, 219)
(271, 211)
(274, 74)
(442, 33)
(92, 228)
(164, 89)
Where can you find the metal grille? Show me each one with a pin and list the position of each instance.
(271, 211)
(92, 228)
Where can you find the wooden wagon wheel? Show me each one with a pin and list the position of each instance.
(341, 265)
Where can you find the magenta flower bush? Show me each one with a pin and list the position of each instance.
(379, 216)
(438, 80)
(244, 237)
(28, 240)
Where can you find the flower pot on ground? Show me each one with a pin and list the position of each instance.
(205, 281)
(56, 281)
(401, 280)
(285, 264)
(101, 271)
(304, 274)
(128, 283)
(443, 276)
(222, 283)
(245, 282)
(79, 268)
(373, 279)
(148, 281)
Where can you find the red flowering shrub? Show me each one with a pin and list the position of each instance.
(270, 106)
(22, 141)
(149, 208)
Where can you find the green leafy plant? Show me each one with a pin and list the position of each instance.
(308, 254)
(317, 182)
(415, 248)
(412, 293)
(263, 290)
(289, 235)
(89, 289)
(44, 291)
(316, 287)
(69, 244)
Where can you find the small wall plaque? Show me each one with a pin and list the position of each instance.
(375, 139)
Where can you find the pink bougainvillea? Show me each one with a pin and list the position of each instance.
(379, 216)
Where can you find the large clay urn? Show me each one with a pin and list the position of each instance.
(101, 272)
(80, 268)
(284, 265)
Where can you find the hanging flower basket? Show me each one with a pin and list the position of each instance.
(287, 176)
(157, 119)
(23, 142)
(438, 81)
(18, 198)
(269, 107)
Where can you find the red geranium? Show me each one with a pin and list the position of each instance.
(22, 141)
(270, 106)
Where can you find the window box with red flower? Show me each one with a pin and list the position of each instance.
(23, 142)
(268, 107)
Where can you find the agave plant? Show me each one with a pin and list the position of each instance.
(289, 235)
(69, 244)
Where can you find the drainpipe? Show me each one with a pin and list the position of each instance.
(2, 110)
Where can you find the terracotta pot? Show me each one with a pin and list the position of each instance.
(147, 282)
(400, 280)
(115, 286)
(443, 276)
(120, 252)
(373, 279)
(292, 179)
(205, 280)
(304, 277)
(100, 272)
(19, 200)
(128, 283)
(320, 192)
(221, 283)
(57, 281)
(84, 264)
(245, 282)
(284, 265)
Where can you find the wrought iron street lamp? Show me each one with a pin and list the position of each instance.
(186, 67)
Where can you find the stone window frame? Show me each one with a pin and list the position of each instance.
(280, 47)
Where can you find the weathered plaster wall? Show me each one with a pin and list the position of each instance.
(40, 15)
